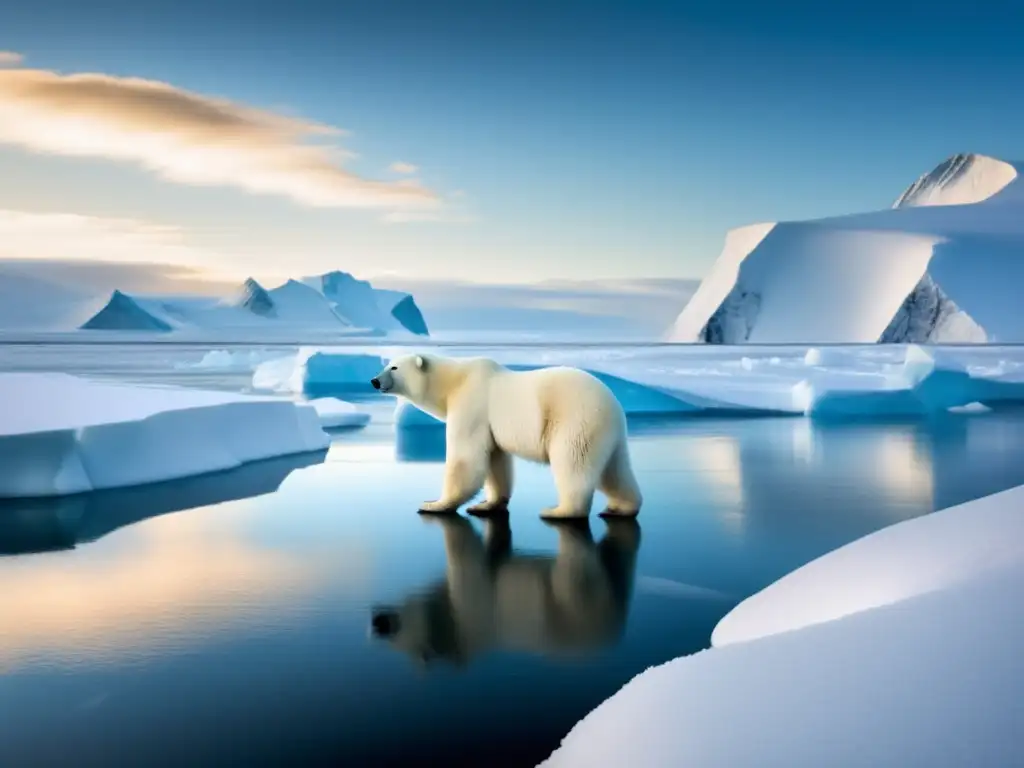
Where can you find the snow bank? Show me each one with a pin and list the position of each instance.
(942, 266)
(901, 648)
(828, 382)
(60, 434)
(926, 554)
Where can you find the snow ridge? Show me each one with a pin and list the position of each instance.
(928, 315)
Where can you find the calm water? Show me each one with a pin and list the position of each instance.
(301, 611)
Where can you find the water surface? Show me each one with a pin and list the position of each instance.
(230, 619)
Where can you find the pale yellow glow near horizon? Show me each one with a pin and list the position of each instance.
(176, 579)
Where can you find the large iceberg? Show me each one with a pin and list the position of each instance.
(335, 303)
(901, 648)
(363, 305)
(60, 434)
(822, 382)
(941, 266)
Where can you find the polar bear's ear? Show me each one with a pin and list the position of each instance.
(421, 363)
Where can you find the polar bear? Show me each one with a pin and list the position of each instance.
(495, 598)
(563, 417)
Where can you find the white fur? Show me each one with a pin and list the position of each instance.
(559, 416)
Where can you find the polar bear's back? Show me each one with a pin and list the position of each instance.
(529, 408)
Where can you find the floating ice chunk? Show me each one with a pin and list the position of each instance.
(334, 413)
(825, 356)
(879, 381)
(68, 435)
(970, 408)
(318, 371)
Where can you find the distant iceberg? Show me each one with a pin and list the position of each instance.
(68, 435)
(333, 303)
(944, 265)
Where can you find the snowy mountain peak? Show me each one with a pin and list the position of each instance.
(123, 312)
(959, 180)
(255, 298)
(368, 307)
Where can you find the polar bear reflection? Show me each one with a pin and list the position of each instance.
(495, 599)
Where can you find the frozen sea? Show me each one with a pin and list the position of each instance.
(300, 610)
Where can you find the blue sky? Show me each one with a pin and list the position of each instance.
(554, 139)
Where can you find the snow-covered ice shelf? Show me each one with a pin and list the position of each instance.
(943, 265)
(901, 648)
(60, 434)
(822, 382)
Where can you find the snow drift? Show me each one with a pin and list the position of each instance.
(60, 434)
(864, 657)
(942, 266)
(335, 302)
(837, 383)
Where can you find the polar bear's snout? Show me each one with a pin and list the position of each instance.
(383, 381)
(384, 622)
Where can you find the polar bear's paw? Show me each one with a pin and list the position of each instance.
(488, 507)
(563, 513)
(438, 507)
(612, 512)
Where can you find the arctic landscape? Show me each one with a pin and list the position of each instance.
(894, 644)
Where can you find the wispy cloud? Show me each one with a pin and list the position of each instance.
(191, 138)
(400, 167)
(10, 59)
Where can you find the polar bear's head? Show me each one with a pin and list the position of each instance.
(406, 376)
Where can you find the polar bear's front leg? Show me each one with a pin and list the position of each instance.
(463, 478)
(467, 450)
(497, 485)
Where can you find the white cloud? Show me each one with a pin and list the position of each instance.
(10, 59)
(400, 167)
(190, 138)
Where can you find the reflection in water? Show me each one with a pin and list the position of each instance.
(865, 473)
(48, 524)
(495, 598)
(161, 585)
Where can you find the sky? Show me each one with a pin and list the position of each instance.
(498, 142)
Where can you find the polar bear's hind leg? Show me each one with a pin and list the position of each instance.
(575, 477)
(619, 484)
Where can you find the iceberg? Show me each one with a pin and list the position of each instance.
(70, 435)
(941, 266)
(318, 371)
(335, 303)
(865, 656)
(363, 305)
(821, 382)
